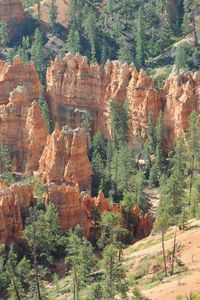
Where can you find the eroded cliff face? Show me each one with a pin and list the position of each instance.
(11, 11)
(12, 200)
(65, 159)
(18, 74)
(23, 128)
(182, 96)
(74, 87)
(76, 208)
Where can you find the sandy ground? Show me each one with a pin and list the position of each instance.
(179, 284)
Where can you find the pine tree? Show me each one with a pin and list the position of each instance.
(114, 279)
(161, 225)
(73, 41)
(139, 59)
(3, 34)
(112, 231)
(90, 29)
(181, 58)
(193, 142)
(53, 13)
(81, 258)
(37, 53)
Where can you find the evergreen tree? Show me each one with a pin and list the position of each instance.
(37, 52)
(114, 121)
(150, 144)
(73, 41)
(90, 29)
(3, 34)
(44, 233)
(19, 275)
(122, 169)
(53, 13)
(46, 112)
(10, 55)
(181, 58)
(114, 279)
(81, 258)
(124, 53)
(193, 143)
(112, 231)
(139, 59)
(161, 225)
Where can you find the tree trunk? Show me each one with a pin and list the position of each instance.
(163, 250)
(191, 178)
(36, 274)
(173, 254)
(16, 290)
(35, 265)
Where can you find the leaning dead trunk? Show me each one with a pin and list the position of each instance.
(163, 250)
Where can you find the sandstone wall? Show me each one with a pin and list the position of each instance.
(65, 159)
(75, 208)
(11, 11)
(12, 200)
(74, 86)
(23, 128)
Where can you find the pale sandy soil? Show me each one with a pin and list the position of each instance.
(179, 284)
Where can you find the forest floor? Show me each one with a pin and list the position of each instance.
(144, 263)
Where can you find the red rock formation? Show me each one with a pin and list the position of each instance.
(144, 224)
(76, 208)
(68, 203)
(11, 11)
(182, 95)
(22, 125)
(18, 74)
(74, 86)
(12, 199)
(143, 99)
(65, 159)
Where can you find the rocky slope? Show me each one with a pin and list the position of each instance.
(144, 261)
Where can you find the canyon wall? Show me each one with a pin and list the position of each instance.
(12, 12)
(12, 200)
(74, 86)
(65, 159)
(182, 96)
(23, 128)
(74, 208)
